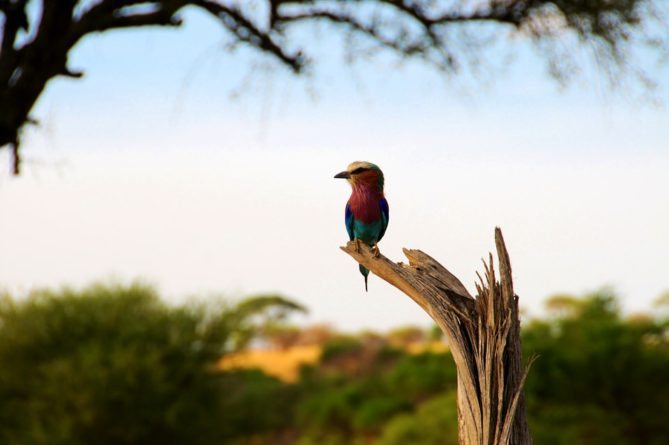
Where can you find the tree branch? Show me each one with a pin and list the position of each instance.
(483, 335)
(409, 48)
(109, 15)
(246, 31)
(418, 29)
(15, 19)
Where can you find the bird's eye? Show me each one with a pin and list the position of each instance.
(358, 170)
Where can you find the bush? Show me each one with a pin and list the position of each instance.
(600, 378)
(435, 422)
(114, 365)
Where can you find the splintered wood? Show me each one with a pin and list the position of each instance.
(483, 333)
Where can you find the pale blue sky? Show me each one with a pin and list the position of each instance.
(148, 168)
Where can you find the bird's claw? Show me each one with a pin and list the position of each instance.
(375, 248)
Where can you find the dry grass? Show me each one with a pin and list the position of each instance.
(285, 364)
(435, 347)
(282, 364)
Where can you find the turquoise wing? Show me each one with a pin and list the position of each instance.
(348, 220)
(385, 216)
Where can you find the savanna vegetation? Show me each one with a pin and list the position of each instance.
(117, 365)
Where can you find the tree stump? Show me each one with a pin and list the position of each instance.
(483, 334)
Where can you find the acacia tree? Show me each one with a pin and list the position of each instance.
(36, 42)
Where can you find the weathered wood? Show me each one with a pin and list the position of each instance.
(483, 335)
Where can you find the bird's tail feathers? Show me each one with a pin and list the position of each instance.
(365, 273)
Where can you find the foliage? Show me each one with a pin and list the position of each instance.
(434, 423)
(340, 346)
(423, 375)
(114, 365)
(254, 404)
(341, 402)
(600, 378)
(38, 37)
(260, 316)
(435, 333)
(405, 335)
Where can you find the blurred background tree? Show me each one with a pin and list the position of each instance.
(115, 365)
(38, 36)
(601, 378)
(434, 423)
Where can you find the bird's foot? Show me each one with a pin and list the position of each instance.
(357, 245)
(375, 251)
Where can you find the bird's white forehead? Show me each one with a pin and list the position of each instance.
(359, 164)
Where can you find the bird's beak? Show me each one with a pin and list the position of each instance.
(343, 175)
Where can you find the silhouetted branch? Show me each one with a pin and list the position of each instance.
(246, 31)
(417, 29)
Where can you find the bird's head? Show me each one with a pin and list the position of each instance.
(363, 174)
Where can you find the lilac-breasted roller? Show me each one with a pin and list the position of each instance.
(367, 211)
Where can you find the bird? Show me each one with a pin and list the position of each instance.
(367, 213)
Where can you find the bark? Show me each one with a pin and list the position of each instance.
(483, 335)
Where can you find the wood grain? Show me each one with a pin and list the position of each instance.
(483, 333)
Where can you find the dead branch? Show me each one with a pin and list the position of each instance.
(483, 335)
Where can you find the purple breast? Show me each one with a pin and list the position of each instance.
(365, 205)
